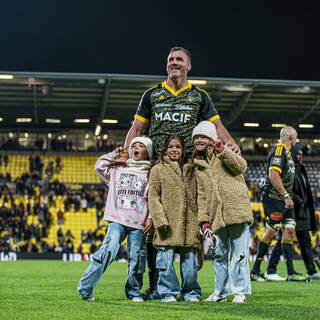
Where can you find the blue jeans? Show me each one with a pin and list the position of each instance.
(168, 284)
(235, 238)
(107, 253)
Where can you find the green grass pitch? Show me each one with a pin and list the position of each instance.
(47, 290)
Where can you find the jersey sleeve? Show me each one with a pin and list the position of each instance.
(144, 109)
(277, 159)
(208, 110)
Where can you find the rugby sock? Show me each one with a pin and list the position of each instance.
(287, 249)
(152, 258)
(262, 250)
(274, 258)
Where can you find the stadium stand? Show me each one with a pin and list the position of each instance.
(32, 202)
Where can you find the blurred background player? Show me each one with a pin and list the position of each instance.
(305, 220)
(278, 204)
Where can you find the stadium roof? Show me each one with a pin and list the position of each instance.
(68, 96)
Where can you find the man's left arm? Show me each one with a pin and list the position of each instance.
(225, 136)
(210, 113)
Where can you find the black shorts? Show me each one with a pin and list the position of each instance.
(276, 214)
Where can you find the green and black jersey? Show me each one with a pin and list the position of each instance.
(174, 112)
(279, 158)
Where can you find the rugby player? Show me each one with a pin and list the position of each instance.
(174, 106)
(278, 205)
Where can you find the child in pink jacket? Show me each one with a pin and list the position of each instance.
(127, 213)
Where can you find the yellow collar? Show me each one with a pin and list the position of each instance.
(175, 93)
(281, 144)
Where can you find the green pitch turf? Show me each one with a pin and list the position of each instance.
(47, 290)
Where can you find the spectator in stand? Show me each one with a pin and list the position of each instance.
(83, 236)
(19, 186)
(60, 235)
(76, 202)
(5, 160)
(58, 164)
(80, 249)
(93, 247)
(69, 235)
(49, 169)
(60, 217)
(84, 202)
(91, 197)
(89, 238)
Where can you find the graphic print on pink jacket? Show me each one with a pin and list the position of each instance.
(128, 186)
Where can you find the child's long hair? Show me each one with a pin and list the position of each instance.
(166, 144)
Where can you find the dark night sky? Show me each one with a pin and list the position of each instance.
(241, 39)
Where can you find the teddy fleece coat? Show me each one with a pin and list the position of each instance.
(172, 203)
(227, 170)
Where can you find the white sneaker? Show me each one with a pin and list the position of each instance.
(239, 298)
(315, 276)
(88, 299)
(170, 299)
(194, 300)
(137, 299)
(273, 277)
(215, 298)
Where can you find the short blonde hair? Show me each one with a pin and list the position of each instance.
(287, 131)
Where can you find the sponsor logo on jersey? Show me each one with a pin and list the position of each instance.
(157, 93)
(276, 160)
(277, 216)
(175, 117)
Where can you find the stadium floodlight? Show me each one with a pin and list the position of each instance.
(306, 125)
(110, 121)
(81, 120)
(23, 119)
(6, 76)
(251, 124)
(278, 125)
(98, 129)
(53, 120)
(199, 82)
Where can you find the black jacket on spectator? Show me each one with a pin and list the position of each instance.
(302, 196)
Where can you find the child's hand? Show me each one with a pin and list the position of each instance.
(212, 142)
(164, 228)
(219, 147)
(234, 147)
(205, 225)
(148, 227)
(123, 155)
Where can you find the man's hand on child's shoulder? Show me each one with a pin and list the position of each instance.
(148, 226)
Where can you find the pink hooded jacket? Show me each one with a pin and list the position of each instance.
(127, 196)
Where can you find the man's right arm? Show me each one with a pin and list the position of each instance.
(275, 179)
(136, 130)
